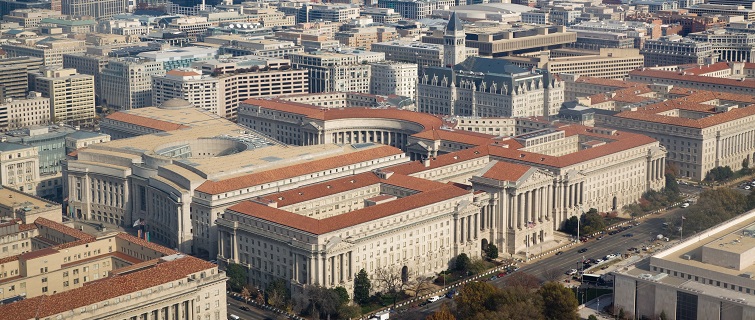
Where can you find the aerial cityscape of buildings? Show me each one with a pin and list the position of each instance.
(173, 159)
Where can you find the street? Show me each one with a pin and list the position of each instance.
(557, 265)
(254, 313)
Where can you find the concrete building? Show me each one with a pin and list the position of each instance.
(706, 276)
(364, 37)
(19, 167)
(415, 10)
(704, 9)
(50, 50)
(694, 81)
(187, 84)
(675, 50)
(728, 46)
(179, 57)
(65, 273)
(20, 208)
(394, 78)
(701, 130)
(30, 18)
(507, 40)
(240, 46)
(71, 94)
(90, 64)
(305, 12)
(15, 80)
(70, 26)
(17, 113)
(609, 63)
(382, 15)
(7, 6)
(127, 82)
(422, 54)
(99, 9)
(332, 71)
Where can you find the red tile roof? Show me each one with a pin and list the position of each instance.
(104, 289)
(81, 235)
(441, 160)
(37, 253)
(182, 73)
(158, 125)
(680, 76)
(505, 171)
(257, 178)
(321, 226)
(146, 244)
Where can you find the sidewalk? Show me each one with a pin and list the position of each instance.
(593, 307)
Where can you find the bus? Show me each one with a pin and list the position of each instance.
(591, 278)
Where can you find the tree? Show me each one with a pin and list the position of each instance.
(663, 315)
(570, 226)
(277, 294)
(462, 262)
(552, 274)
(391, 280)
(477, 266)
(746, 165)
(442, 314)
(420, 285)
(671, 184)
(719, 174)
(622, 315)
(523, 280)
(349, 311)
(473, 298)
(491, 251)
(343, 295)
(322, 302)
(592, 222)
(559, 302)
(237, 276)
(245, 293)
(751, 200)
(592, 317)
(362, 287)
(634, 210)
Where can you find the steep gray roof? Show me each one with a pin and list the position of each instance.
(454, 24)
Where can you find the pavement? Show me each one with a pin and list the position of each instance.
(593, 307)
(554, 267)
(254, 313)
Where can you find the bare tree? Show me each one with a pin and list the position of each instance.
(390, 279)
(551, 274)
(420, 285)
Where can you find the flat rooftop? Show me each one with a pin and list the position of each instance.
(14, 198)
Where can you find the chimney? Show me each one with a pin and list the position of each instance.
(426, 162)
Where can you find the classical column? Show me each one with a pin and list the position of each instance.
(461, 234)
(519, 211)
(235, 242)
(582, 192)
(312, 272)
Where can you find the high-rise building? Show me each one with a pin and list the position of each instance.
(19, 167)
(51, 50)
(14, 82)
(190, 85)
(611, 63)
(90, 64)
(331, 71)
(394, 78)
(127, 82)
(93, 8)
(17, 113)
(416, 10)
(30, 18)
(675, 50)
(71, 94)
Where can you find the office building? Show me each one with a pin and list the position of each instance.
(30, 18)
(422, 54)
(415, 10)
(50, 50)
(99, 9)
(305, 12)
(394, 78)
(71, 94)
(509, 40)
(382, 15)
(609, 63)
(17, 113)
(727, 45)
(127, 82)
(64, 273)
(675, 50)
(240, 46)
(705, 276)
(187, 84)
(90, 64)
(334, 71)
(704, 9)
(8, 6)
(15, 80)
(19, 167)
(694, 81)
(179, 57)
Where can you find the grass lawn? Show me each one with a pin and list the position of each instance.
(385, 300)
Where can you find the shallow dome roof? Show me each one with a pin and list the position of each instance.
(175, 103)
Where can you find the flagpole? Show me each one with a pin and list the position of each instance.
(681, 232)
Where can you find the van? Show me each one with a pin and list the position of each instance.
(233, 317)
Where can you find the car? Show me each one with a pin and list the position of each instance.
(610, 256)
(559, 253)
(748, 187)
(599, 261)
(628, 235)
(451, 294)
(245, 308)
(433, 299)
(599, 238)
(493, 277)
(684, 205)
(583, 250)
(571, 272)
(424, 303)
(502, 274)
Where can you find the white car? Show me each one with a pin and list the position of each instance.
(571, 272)
(433, 299)
(599, 261)
(610, 256)
(748, 187)
(684, 205)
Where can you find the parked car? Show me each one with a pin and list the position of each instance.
(433, 299)
(684, 205)
(571, 272)
(451, 294)
(502, 274)
(245, 308)
(599, 238)
(583, 250)
(559, 253)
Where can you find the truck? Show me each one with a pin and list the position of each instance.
(382, 315)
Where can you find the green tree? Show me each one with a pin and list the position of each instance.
(462, 262)
(343, 295)
(719, 174)
(277, 294)
(622, 314)
(592, 317)
(442, 314)
(477, 266)
(492, 251)
(349, 311)
(237, 276)
(362, 287)
(663, 315)
(570, 226)
(559, 302)
(323, 303)
(750, 200)
(671, 184)
(746, 166)
(592, 222)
